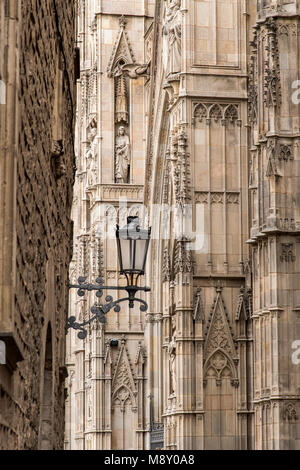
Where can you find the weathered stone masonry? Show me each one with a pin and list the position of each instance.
(36, 179)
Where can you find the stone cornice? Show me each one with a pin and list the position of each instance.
(106, 13)
(270, 232)
(113, 192)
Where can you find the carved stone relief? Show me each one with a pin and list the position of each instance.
(252, 82)
(183, 260)
(198, 306)
(289, 412)
(180, 164)
(287, 252)
(166, 266)
(272, 169)
(221, 113)
(272, 86)
(278, 153)
(215, 197)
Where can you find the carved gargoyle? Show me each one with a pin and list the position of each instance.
(134, 70)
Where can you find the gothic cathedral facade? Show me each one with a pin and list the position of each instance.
(189, 117)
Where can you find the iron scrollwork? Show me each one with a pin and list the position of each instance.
(99, 311)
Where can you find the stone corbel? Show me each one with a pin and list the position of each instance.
(172, 85)
(57, 153)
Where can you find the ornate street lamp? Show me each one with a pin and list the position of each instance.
(132, 244)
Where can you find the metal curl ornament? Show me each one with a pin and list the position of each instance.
(132, 248)
(99, 311)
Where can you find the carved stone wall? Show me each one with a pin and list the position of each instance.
(37, 165)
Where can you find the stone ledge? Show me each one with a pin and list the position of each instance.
(13, 349)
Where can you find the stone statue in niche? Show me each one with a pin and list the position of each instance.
(122, 156)
(91, 157)
(172, 357)
(172, 365)
(90, 167)
(172, 38)
(92, 133)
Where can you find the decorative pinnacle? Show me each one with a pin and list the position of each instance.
(219, 287)
(122, 21)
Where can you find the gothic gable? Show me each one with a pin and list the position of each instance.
(122, 51)
(219, 348)
(219, 335)
(123, 375)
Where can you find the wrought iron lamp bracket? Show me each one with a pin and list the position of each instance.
(99, 311)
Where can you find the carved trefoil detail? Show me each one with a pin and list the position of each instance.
(222, 113)
(287, 253)
(289, 412)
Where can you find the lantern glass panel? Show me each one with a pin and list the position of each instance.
(125, 254)
(133, 245)
(140, 254)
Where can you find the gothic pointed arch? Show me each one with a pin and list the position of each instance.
(216, 112)
(200, 112)
(231, 113)
(219, 365)
(122, 396)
